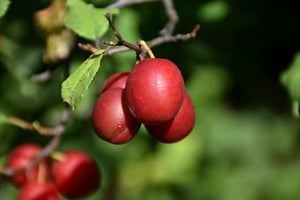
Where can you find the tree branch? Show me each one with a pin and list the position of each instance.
(178, 37)
(44, 76)
(87, 47)
(45, 152)
(121, 41)
(173, 18)
(169, 8)
(35, 126)
(125, 3)
(48, 149)
(160, 40)
(166, 33)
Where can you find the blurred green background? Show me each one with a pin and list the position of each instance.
(245, 144)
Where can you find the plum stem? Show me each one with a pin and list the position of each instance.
(56, 155)
(42, 172)
(144, 44)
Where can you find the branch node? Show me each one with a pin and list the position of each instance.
(112, 43)
(121, 41)
(149, 51)
(195, 30)
(87, 47)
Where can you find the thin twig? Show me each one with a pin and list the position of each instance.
(173, 18)
(45, 152)
(125, 3)
(46, 75)
(169, 8)
(35, 126)
(166, 33)
(87, 47)
(120, 39)
(178, 37)
(159, 40)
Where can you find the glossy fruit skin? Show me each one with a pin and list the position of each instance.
(77, 176)
(116, 80)
(154, 91)
(179, 127)
(37, 191)
(112, 120)
(20, 157)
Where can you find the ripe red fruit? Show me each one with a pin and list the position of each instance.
(38, 191)
(116, 80)
(77, 176)
(20, 157)
(154, 91)
(179, 127)
(112, 120)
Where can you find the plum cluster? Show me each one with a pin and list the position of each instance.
(74, 175)
(153, 94)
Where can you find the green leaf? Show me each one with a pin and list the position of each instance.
(74, 87)
(290, 78)
(4, 4)
(213, 11)
(2, 116)
(86, 20)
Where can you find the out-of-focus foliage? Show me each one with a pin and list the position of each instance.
(4, 5)
(213, 11)
(245, 144)
(59, 40)
(290, 78)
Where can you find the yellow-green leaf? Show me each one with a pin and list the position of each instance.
(290, 78)
(4, 5)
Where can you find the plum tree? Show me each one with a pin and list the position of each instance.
(152, 93)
